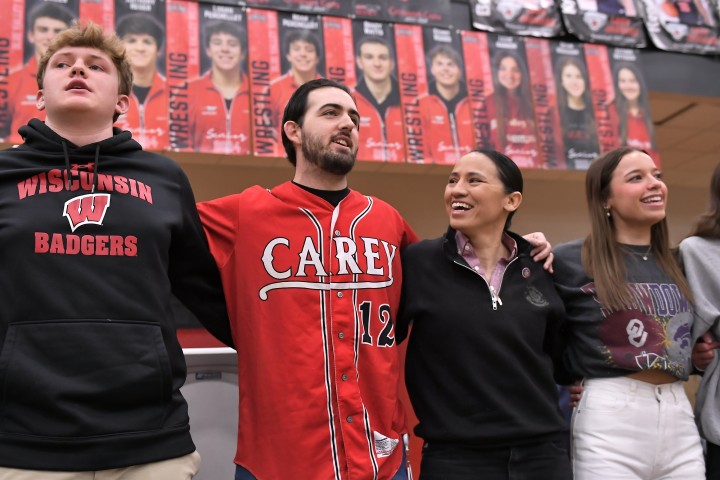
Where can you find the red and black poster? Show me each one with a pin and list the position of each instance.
(575, 107)
(34, 24)
(141, 27)
(219, 115)
(537, 18)
(512, 116)
(682, 25)
(545, 102)
(339, 50)
(631, 106)
(183, 65)
(446, 110)
(286, 51)
(614, 22)
(264, 67)
(101, 12)
(413, 85)
(369, 9)
(377, 92)
(423, 12)
(325, 7)
(602, 94)
(479, 81)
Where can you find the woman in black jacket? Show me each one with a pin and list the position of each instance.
(485, 334)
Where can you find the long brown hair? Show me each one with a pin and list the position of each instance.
(708, 226)
(601, 253)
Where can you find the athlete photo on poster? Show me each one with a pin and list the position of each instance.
(142, 31)
(511, 107)
(377, 93)
(613, 22)
(687, 26)
(537, 18)
(445, 109)
(43, 21)
(219, 115)
(577, 118)
(631, 103)
(301, 60)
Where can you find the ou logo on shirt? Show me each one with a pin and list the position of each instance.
(637, 336)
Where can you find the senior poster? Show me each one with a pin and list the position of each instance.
(446, 109)
(480, 85)
(377, 93)
(183, 65)
(369, 9)
(219, 114)
(141, 27)
(574, 103)
(602, 94)
(614, 22)
(33, 25)
(538, 18)
(544, 95)
(423, 12)
(413, 85)
(326, 7)
(512, 115)
(286, 51)
(687, 26)
(631, 105)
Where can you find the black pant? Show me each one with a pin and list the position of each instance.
(712, 462)
(536, 461)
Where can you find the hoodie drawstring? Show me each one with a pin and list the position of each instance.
(95, 171)
(67, 165)
(96, 168)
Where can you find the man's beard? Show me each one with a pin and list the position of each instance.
(331, 162)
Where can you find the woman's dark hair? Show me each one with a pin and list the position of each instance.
(508, 173)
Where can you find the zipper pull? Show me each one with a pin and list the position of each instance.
(495, 298)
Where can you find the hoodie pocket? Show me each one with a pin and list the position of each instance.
(77, 378)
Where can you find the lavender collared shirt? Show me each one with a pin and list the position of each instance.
(466, 250)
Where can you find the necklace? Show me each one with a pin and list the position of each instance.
(634, 250)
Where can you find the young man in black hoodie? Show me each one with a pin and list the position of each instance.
(97, 241)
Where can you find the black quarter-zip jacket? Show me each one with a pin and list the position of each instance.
(97, 244)
(480, 376)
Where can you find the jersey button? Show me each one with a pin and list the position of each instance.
(341, 335)
(340, 295)
(349, 419)
(344, 377)
(337, 233)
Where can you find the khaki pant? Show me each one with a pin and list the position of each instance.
(181, 468)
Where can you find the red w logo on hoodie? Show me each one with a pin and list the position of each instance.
(86, 209)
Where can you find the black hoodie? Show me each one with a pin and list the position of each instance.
(97, 243)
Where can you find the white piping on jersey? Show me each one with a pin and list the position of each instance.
(366, 417)
(326, 356)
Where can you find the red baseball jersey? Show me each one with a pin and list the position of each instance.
(312, 293)
(213, 126)
(448, 135)
(148, 121)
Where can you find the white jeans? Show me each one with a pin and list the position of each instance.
(625, 429)
(181, 468)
